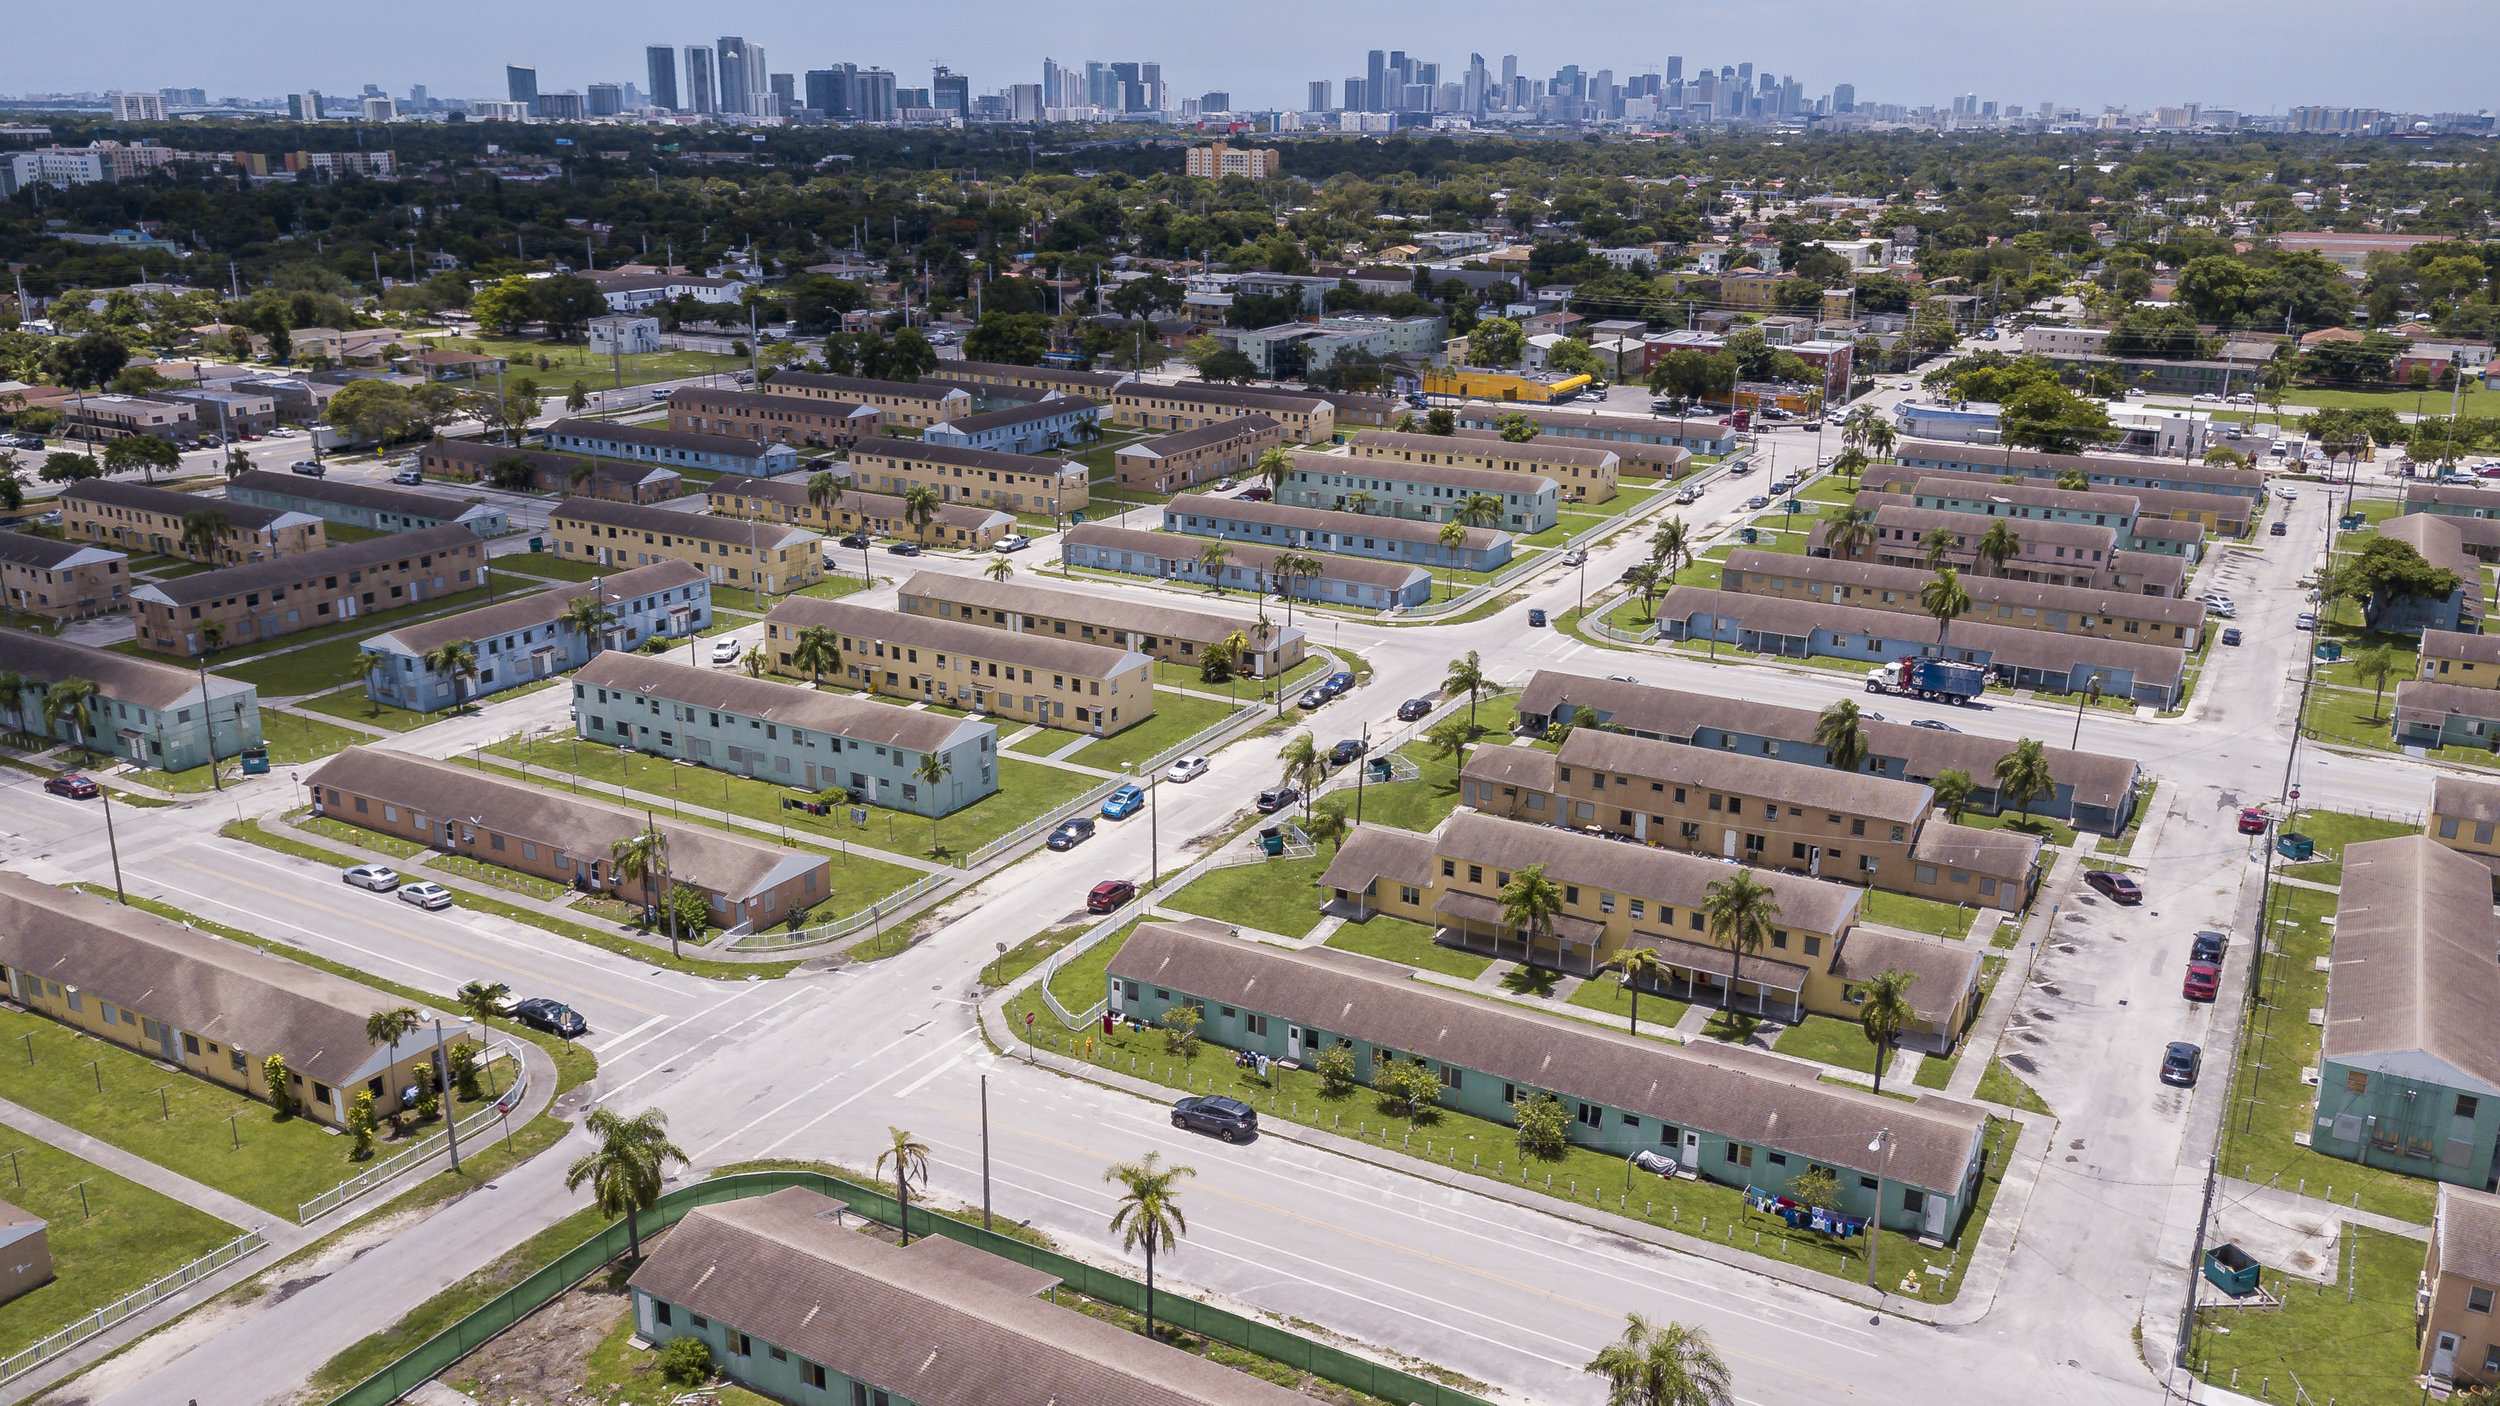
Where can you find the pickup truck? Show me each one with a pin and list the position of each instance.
(1939, 680)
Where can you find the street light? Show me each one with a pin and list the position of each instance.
(1875, 1223)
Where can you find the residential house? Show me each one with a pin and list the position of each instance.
(149, 714)
(1026, 429)
(2460, 1278)
(1343, 580)
(61, 580)
(2108, 613)
(2450, 656)
(2441, 542)
(1524, 503)
(530, 637)
(230, 410)
(25, 1251)
(851, 511)
(369, 506)
(1019, 483)
(1023, 678)
(2465, 816)
(139, 518)
(495, 817)
(2433, 715)
(266, 599)
(1650, 447)
(781, 419)
(674, 449)
(2100, 471)
(615, 481)
(766, 557)
(1172, 636)
(784, 733)
(1325, 530)
(217, 1010)
(1225, 449)
(905, 403)
(1189, 405)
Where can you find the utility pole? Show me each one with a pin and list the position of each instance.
(985, 1154)
(442, 1067)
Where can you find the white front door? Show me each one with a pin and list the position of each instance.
(1936, 1208)
(1293, 1043)
(2444, 1356)
(1640, 827)
(1727, 844)
(1692, 1148)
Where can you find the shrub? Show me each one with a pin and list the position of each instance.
(1540, 1123)
(361, 1123)
(1180, 1031)
(686, 1362)
(464, 1070)
(1410, 1087)
(281, 1087)
(1335, 1068)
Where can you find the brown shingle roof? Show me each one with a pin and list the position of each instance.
(535, 609)
(1849, 792)
(1309, 520)
(1986, 592)
(668, 522)
(1457, 476)
(1093, 661)
(120, 677)
(2460, 647)
(853, 386)
(1665, 876)
(791, 491)
(2412, 971)
(1946, 971)
(2003, 854)
(1587, 454)
(1165, 546)
(2468, 798)
(2031, 493)
(1220, 432)
(1012, 415)
(1379, 852)
(140, 497)
(1105, 612)
(921, 451)
(2421, 701)
(444, 543)
(2440, 542)
(1531, 768)
(2468, 1231)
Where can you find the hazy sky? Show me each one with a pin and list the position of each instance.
(2257, 55)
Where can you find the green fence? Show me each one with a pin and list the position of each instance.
(430, 1358)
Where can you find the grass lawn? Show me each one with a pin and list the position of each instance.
(1934, 1073)
(2332, 830)
(352, 704)
(1274, 895)
(125, 1237)
(2000, 1085)
(1566, 526)
(1411, 944)
(1176, 719)
(570, 362)
(333, 656)
(2360, 1352)
(833, 587)
(1042, 741)
(1419, 805)
(548, 567)
(2476, 400)
(289, 738)
(2044, 828)
(1604, 993)
(2269, 1102)
(1079, 985)
(1828, 1040)
(1901, 910)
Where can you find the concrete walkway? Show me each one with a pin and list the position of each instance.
(282, 1233)
(2279, 1202)
(1979, 1046)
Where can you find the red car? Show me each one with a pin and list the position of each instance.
(77, 788)
(1256, 493)
(2119, 887)
(2203, 979)
(1109, 894)
(2253, 821)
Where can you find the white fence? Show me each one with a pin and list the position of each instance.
(874, 913)
(122, 1309)
(383, 1172)
(1042, 824)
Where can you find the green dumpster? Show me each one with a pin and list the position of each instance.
(1747, 534)
(2330, 650)
(538, 544)
(1272, 840)
(255, 761)
(2233, 1270)
(2351, 521)
(2295, 846)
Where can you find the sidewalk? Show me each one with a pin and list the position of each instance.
(282, 1234)
(2275, 1198)
(1980, 1044)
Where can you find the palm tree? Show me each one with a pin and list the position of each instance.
(755, 662)
(1478, 510)
(1999, 544)
(69, 701)
(1937, 545)
(1360, 500)
(1880, 438)
(1850, 463)
(911, 1163)
(1944, 598)
(386, 1028)
(932, 772)
(1883, 1008)
(1646, 582)
(1842, 736)
(822, 491)
(1467, 676)
(453, 659)
(1663, 1366)
(1446, 740)
(1212, 557)
(202, 530)
(589, 617)
(13, 688)
(1273, 468)
(999, 569)
(1847, 528)
(1300, 754)
(1328, 827)
(920, 508)
(816, 650)
(1952, 788)
(630, 1168)
(1294, 566)
(481, 1001)
(2023, 775)
(2375, 667)
(1149, 1214)
(1452, 536)
(1739, 911)
(1671, 546)
(1639, 964)
(642, 858)
(1529, 903)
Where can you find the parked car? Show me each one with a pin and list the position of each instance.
(381, 878)
(1227, 1118)
(24, 441)
(903, 549)
(1536, 618)
(2231, 635)
(2308, 620)
(1012, 542)
(1123, 803)
(2203, 980)
(1337, 683)
(1256, 493)
(1277, 798)
(2287, 493)
(724, 651)
(1187, 769)
(1346, 750)
(1227, 484)
(554, 1017)
(1413, 708)
(2277, 528)
(2222, 606)
(307, 468)
(1313, 699)
(425, 895)
(856, 540)
(1108, 895)
(2208, 946)
(1575, 556)
(2179, 1063)
(1070, 833)
(2119, 887)
(2253, 820)
(74, 786)
(408, 476)
(1757, 502)
(1688, 494)
(1934, 725)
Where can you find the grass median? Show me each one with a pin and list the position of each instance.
(108, 1236)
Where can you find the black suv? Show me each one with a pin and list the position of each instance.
(1345, 751)
(554, 1017)
(2208, 947)
(1227, 1118)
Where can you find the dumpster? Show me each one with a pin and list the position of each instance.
(2295, 846)
(2330, 650)
(538, 544)
(1272, 840)
(1378, 767)
(2351, 521)
(2233, 1270)
(1076, 517)
(1747, 534)
(255, 761)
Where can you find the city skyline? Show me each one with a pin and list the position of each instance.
(2165, 58)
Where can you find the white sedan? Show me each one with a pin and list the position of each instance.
(724, 651)
(381, 878)
(425, 895)
(1187, 769)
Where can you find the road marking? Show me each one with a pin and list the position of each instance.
(915, 1085)
(863, 1092)
(603, 1046)
(620, 1053)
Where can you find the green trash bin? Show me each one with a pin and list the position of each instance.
(1747, 534)
(1272, 840)
(2295, 846)
(2330, 650)
(255, 761)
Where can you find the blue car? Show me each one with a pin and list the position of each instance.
(1123, 803)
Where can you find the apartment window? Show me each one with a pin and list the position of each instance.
(1740, 1154)
(812, 1375)
(2478, 1300)
(1592, 1115)
(741, 1345)
(1475, 873)
(698, 1321)
(662, 1314)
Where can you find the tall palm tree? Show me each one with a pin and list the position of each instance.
(823, 489)
(1853, 425)
(1944, 598)
(453, 659)
(1671, 546)
(1529, 903)
(1294, 567)
(911, 1163)
(999, 569)
(1274, 467)
(1850, 463)
(203, 529)
(13, 689)
(589, 617)
(932, 772)
(1999, 545)
(642, 858)
(386, 1028)
(1646, 581)
(1880, 438)
(1360, 500)
(1738, 911)
(1149, 1213)
(1841, 733)
(1467, 676)
(1951, 788)
(920, 508)
(1212, 558)
(1883, 1009)
(481, 1001)
(1669, 1365)
(1478, 510)
(1847, 528)
(816, 651)
(1452, 536)
(1300, 754)
(629, 1170)
(2023, 775)
(70, 701)
(1639, 964)
(1937, 545)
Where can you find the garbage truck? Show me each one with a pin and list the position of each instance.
(1938, 680)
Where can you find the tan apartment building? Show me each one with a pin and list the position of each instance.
(1010, 676)
(2068, 610)
(2453, 657)
(215, 1009)
(62, 580)
(138, 518)
(25, 1251)
(1016, 483)
(1618, 896)
(111, 417)
(851, 511)
(1174, 463)
(468, 460)
(753, 555)
(2052, 552)
(1586, 473)
(1760, 810)
(782, 419)
(1171, 636)
(2465, 816)
(1040, 380)
(266, 599)
(501, 819)
(1144, 405)
(2224, 513)
(2460, 1279)
(906, 403)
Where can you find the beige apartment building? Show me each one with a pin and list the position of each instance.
(2460, 1280)
(1144, 405)
(1586, 473)
(265, 599)
(1171, 636)
(752, 555)
(1011, 677)
(1016, 483)
(851, 511)
(906, 403)
(2069, 610)
(1175, 463)
(782, 419)
(62, 580)
(138, 518)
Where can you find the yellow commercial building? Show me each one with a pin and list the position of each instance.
(1486, 383)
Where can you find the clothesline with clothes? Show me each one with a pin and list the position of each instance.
(1802, 1217)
